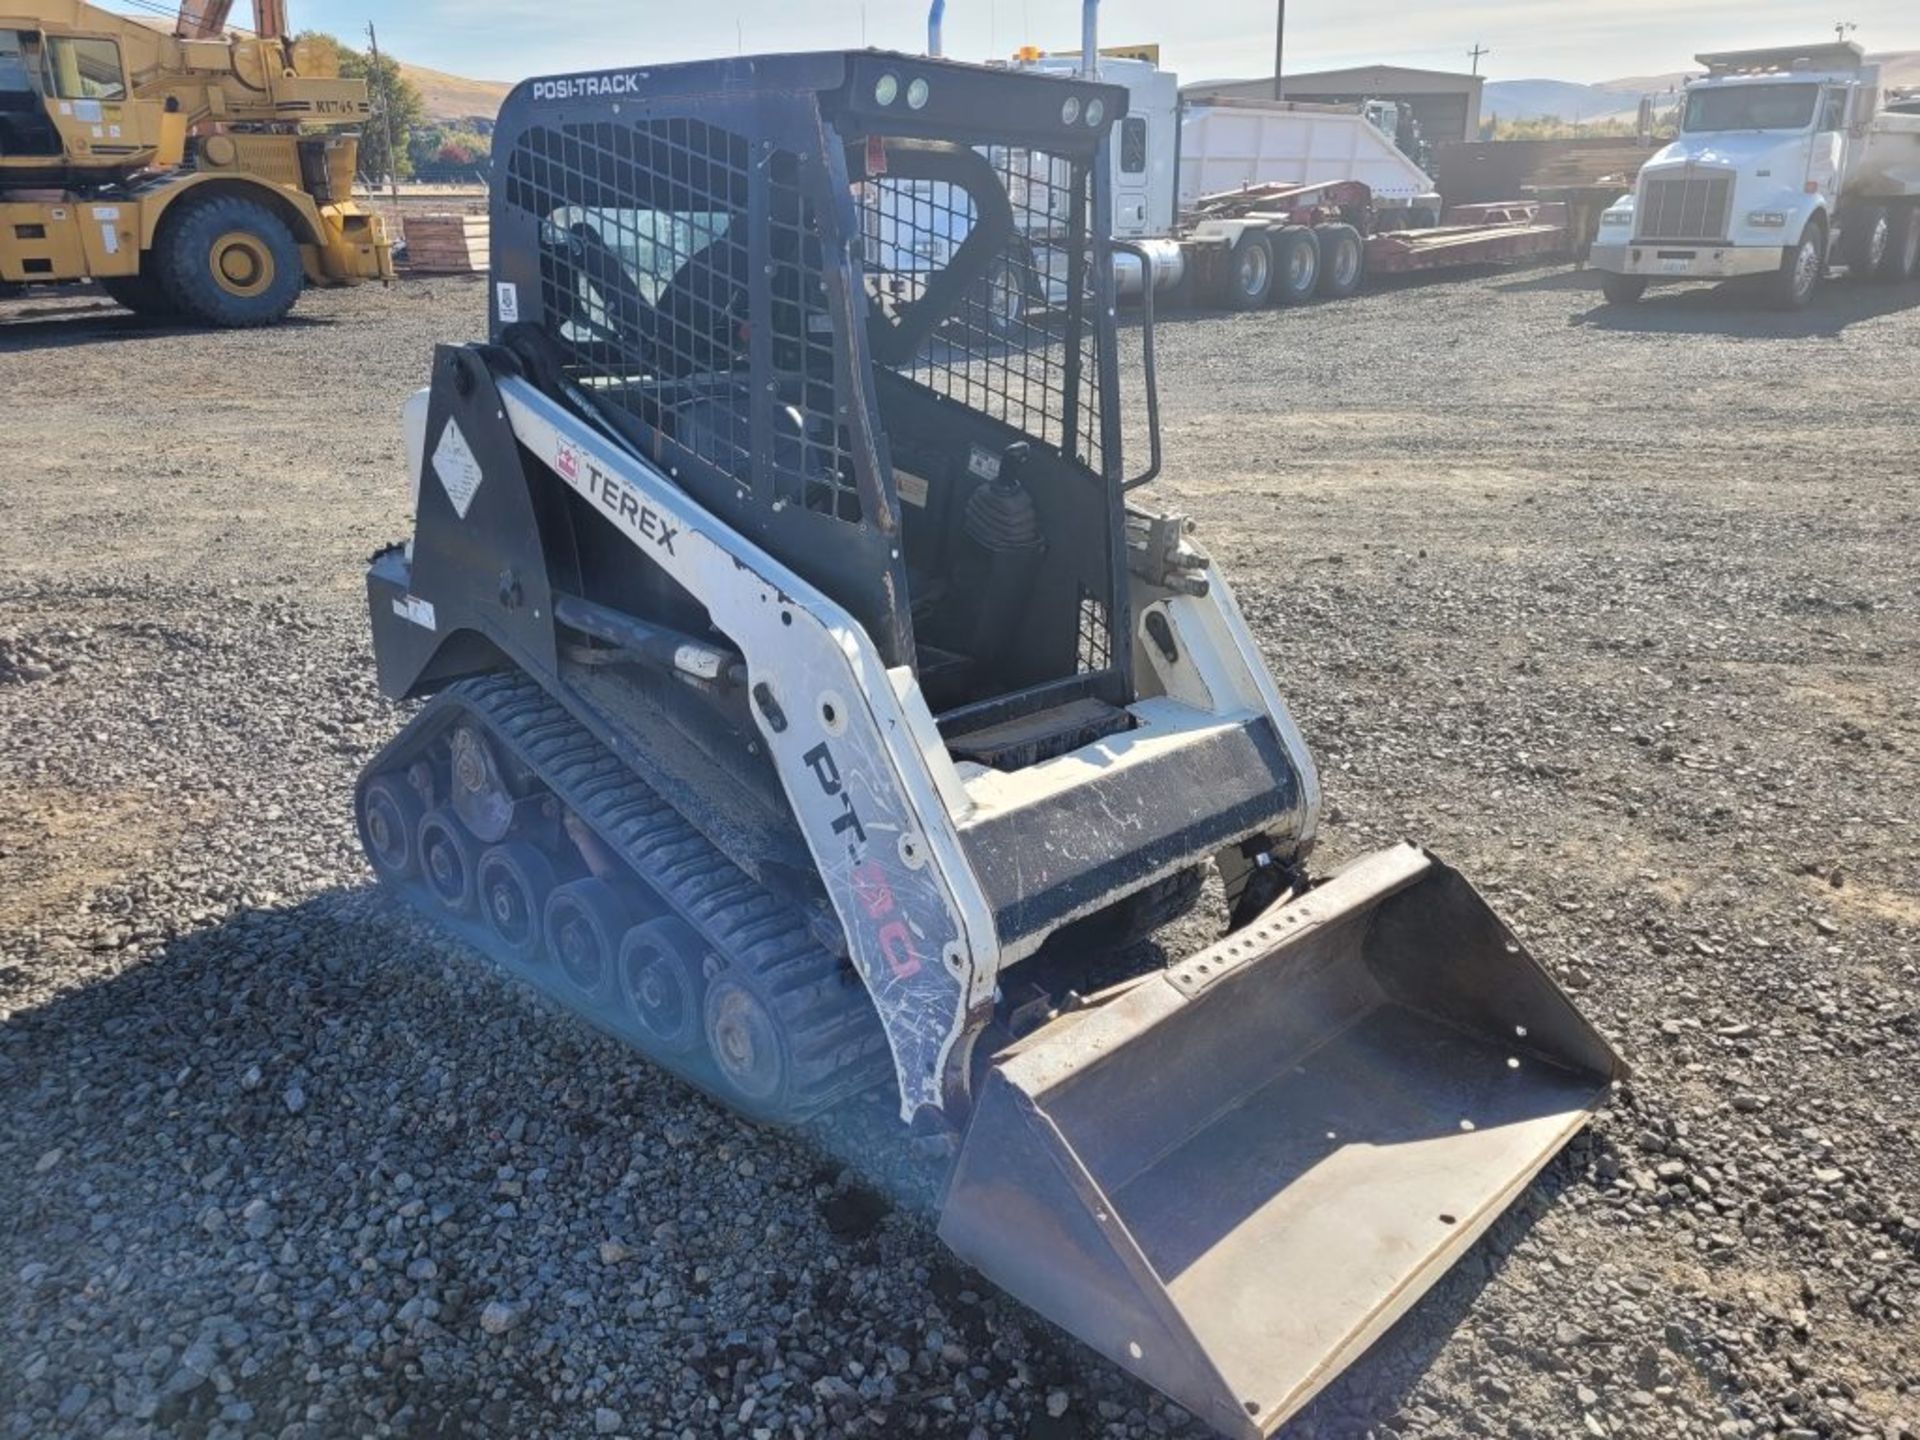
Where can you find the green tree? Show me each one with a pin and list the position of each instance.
(394, 99)
(438, 144)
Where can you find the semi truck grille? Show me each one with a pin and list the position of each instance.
(1692, 206)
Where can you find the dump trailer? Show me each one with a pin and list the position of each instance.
(1788, 163)
(197, 175)
(812, 702)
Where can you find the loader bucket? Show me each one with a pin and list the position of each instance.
(1234, 1176)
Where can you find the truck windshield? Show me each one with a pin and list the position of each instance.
(1751, 107)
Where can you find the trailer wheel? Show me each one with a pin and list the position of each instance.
(1296, 257)
(143, 294)
(228, 260)
(1623, 289)
(1249, 271)
(1869, 240)
(1343, 260)
(1902, 260)
(1802, 268)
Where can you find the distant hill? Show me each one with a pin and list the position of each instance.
(454, 97)
(1533, 99)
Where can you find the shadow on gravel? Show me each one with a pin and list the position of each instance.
(1556, 276)
(1553, 280)
(216, 1142)
(63, 326)
(1733, 309)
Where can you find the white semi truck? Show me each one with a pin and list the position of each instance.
(1788, 161)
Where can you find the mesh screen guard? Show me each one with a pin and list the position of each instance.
(718, 272)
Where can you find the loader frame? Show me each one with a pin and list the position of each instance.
(705, 700)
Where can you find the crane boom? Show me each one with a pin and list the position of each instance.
(202, 19)
(207, 19)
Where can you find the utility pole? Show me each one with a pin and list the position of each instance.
(1476, 52)
(1279, 45)
(1840, 29)
(386, 118)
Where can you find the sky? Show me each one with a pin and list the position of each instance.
(1581, 40)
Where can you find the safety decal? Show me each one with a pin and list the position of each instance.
(459, 472)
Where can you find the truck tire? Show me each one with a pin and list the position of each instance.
(1869, 240)
(1623, 289)
(143, 294)
(1296, 265)
(1249, 275)
(1902, 260)
(1802, 268)
(1343, 260)
(227, 260)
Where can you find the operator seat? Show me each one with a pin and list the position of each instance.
(699, 319)
(625, 311)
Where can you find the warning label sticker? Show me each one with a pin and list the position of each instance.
(419, 611)
(459, 472)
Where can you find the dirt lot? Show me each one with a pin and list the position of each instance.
(1618, 612)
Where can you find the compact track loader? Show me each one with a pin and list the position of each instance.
(812, 709)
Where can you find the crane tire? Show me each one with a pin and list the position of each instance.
(228, 261)
(143, 294)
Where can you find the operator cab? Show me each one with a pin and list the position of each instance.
(882, 349)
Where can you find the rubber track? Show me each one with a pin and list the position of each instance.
(836, 1043)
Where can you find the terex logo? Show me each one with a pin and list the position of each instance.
(588, 87)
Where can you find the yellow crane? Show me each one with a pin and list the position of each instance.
(200, 174)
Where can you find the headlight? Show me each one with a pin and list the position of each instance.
(1616, 217)
(1767, 219)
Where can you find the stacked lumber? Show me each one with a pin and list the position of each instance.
(454, 244)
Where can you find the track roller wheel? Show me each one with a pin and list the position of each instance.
(389, 822)
(662, 978)
(449, 859)
(747, 1044)
(514, 881)
(584, 922)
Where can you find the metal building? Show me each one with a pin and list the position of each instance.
(1446, 104)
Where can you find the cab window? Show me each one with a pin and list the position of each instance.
(1833, 111)
(16, 77)
(82, 68)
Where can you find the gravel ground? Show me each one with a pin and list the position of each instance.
(1619, 613)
